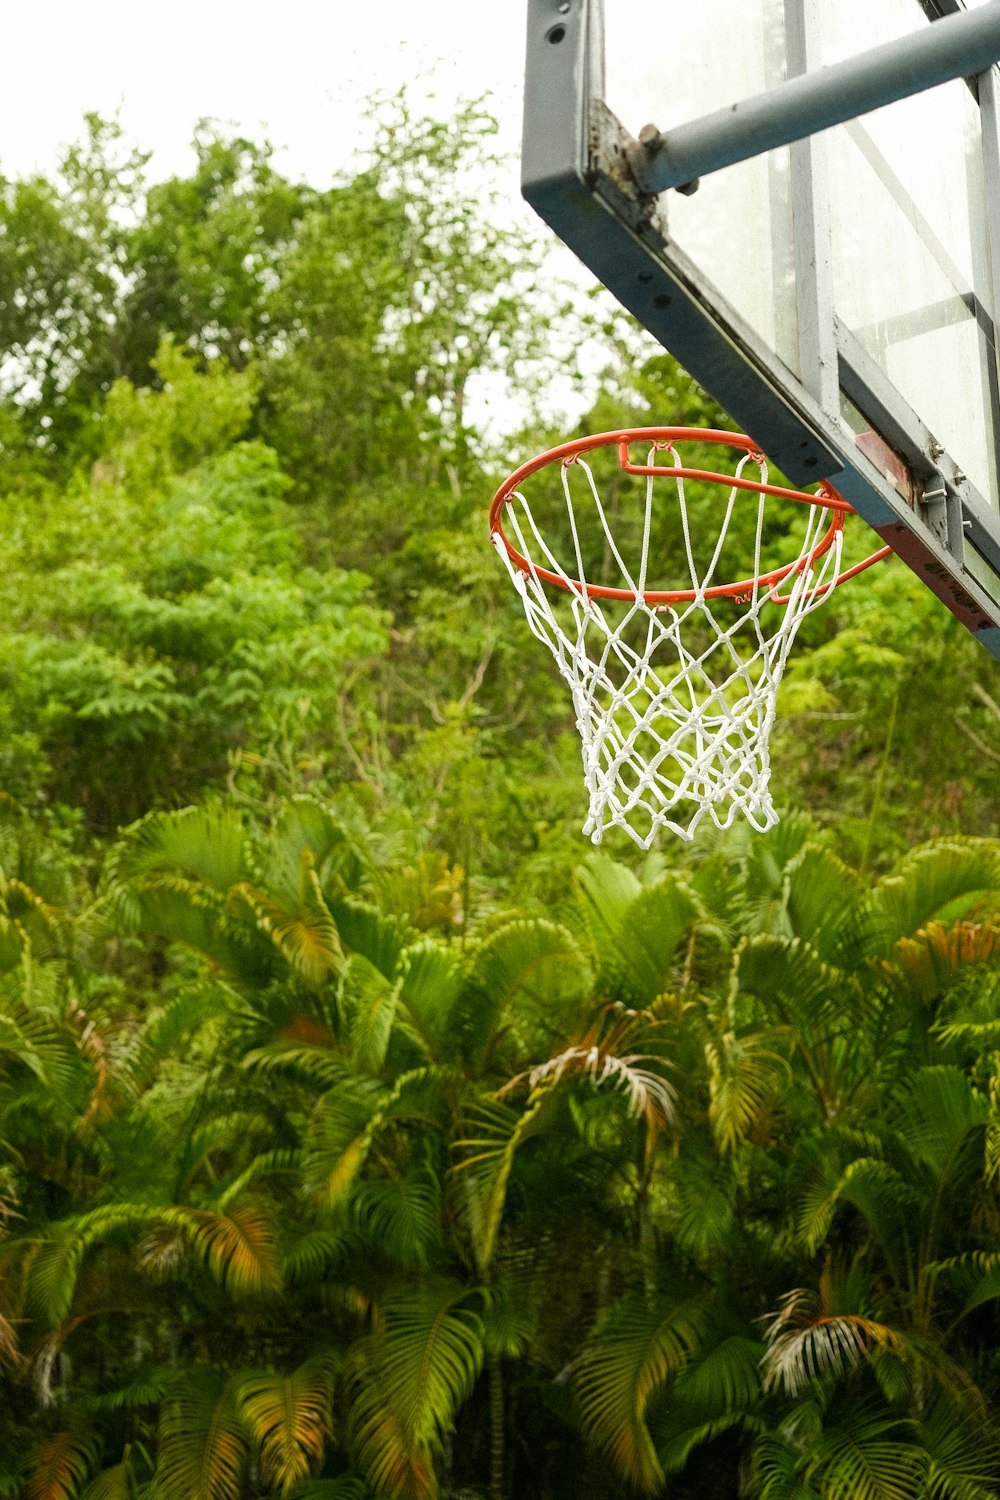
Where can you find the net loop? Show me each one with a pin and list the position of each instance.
(674, 690)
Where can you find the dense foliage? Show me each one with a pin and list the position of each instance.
(362, 1134)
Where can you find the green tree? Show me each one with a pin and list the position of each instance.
(63, 261)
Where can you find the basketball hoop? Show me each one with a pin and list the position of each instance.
(674, 689)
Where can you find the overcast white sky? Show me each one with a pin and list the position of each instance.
(292, 69)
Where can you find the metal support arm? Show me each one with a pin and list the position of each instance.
(958, 46)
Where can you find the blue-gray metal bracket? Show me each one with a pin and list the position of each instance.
(958, 46)
(576, 176)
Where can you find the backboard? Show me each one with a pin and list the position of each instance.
(836, 294)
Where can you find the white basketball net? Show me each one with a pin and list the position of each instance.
(669, 736)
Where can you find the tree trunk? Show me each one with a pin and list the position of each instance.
(498, 1435)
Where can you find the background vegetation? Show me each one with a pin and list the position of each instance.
(361, 1134)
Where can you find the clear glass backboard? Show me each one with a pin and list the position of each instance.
(836, 293)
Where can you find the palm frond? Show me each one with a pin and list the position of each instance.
(367, 1001)
(492, 1133)
(401, 1215)
(238, 1247)
(979, 1033)
(30, 929)
(963, 1453)
(55, 1266)
(279, 1162)
(14, 944)
(203, 1451)
(59, 1465)
(346, 1487)
(805, 1343)
(161, 1250)
(147, 1389)
(818, 1206)
(940, 954)
(677, 1448)
(19, 1047)
(317, 1254)
(828, 1161)
(431, 979)
(10, 1355)
(648, 945)
(304, 933)
(607, 889)
(339, 1135)
(940, 881)
(215, 1138)
(312, 1062)
(37, 1035)
(509, 1313)
(882, 1195)
(192, 1008)
(621, 1367)
(744, 1074)
(206, 843)
(306, 826)
(408, 1380)
(288, 1419)
(425, 892)
(182, 912)
(636, 929)
(943, 1117)
(889, 1203)
(700, 1203)
(116, 1483)
(621, 1050)
(798, 989)
(524, 962)
(365, 930)
(972, 1278)
(723, 1378)
(648, 1096)
(777, 1471)
(867, 1460)
(827, 907)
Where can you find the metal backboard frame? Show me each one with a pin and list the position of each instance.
(597, 186)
